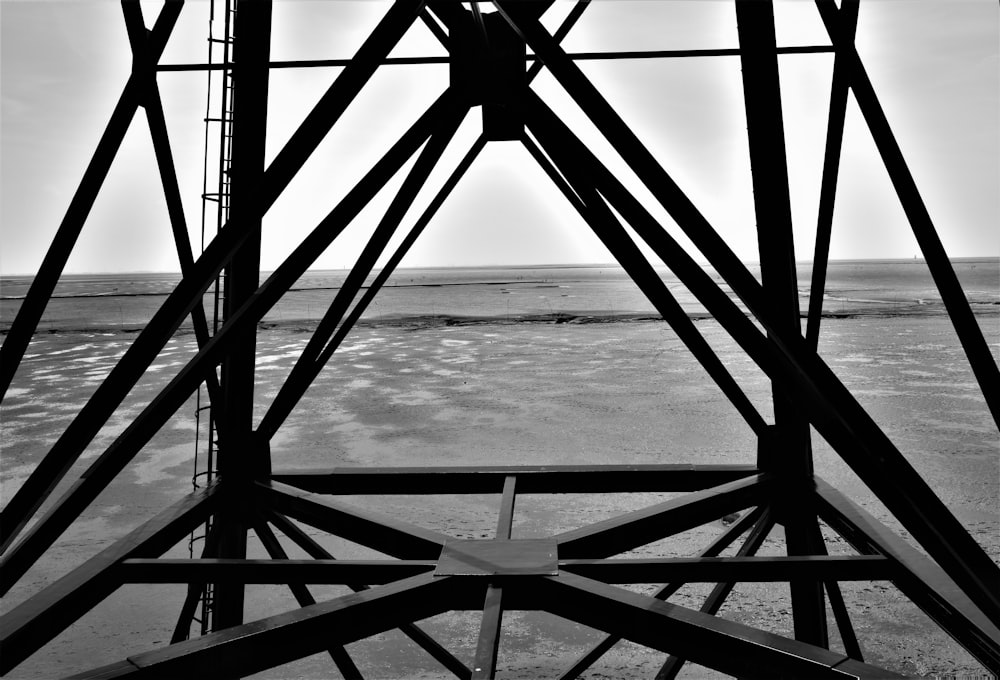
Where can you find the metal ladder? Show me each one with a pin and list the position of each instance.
(214, 208)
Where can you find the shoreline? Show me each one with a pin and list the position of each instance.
(420, 321)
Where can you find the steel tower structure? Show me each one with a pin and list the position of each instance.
(572, 574)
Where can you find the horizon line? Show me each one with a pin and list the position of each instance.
(546, 265)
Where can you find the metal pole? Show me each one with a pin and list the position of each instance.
(239, 459)
(788, 452)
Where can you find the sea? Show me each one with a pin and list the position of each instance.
(528, 293)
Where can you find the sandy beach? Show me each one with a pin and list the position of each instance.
(399, 394)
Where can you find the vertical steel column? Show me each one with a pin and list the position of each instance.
(765, 130)
(788, 451)
(240, 460)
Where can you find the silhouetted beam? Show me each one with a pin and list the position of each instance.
(633, 529)
(670, 54)
(616, 239)
(843, 619)
(189, 609)
(917, 577)
(530, 479)
(505, 519)
(832, 409)
(398, 18)
(385, 534)
(279, 571)
(803, 537)
(36, 621)
(434, 27)
(773, 212)
(675, 662)
(547, 166)
(477, 16)
(304, 63)
(828, 183)
(190, 289)
(789, 454)
(715, 548)
(313, 357)
(341, 659)
(36, 488)
(720, 569)
(984, 366)
(273, 641)
(412, 631)
(195, 593)
(238, 457)
(722, 645)
(148, 422)
(564, 28)
(839, 608)
(485, 662)
(178, 224)
(453, 14)
(607, 120)
(136, 30)
(279, 409)
(576, 56)
(44, 281)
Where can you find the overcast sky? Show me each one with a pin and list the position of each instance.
(934, 63)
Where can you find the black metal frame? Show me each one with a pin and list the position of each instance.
(957, 585)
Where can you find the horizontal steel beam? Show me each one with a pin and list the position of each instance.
(736, 569)
(274, 571)
(530, 479)
(578, 56)
(377, 572)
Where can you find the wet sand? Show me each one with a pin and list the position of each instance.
(506, 393)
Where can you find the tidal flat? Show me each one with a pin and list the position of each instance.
(398, 394)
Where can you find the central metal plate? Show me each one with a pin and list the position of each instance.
(523, 557)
